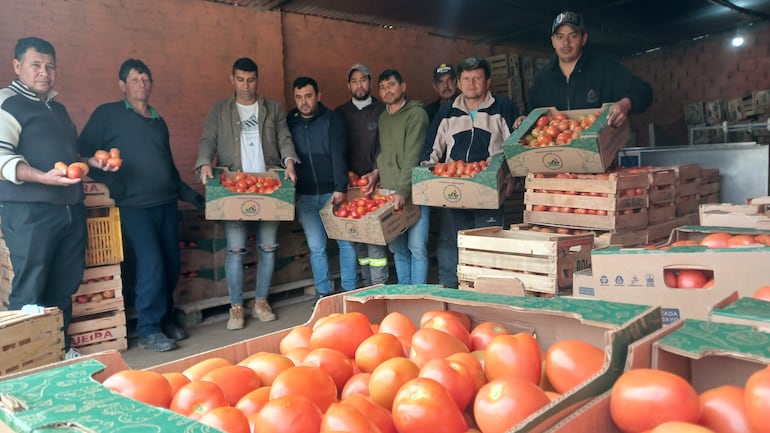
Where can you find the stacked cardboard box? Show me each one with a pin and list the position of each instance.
(751, 215)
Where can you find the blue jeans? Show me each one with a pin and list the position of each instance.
(236, 233)
(446, 250)
(152, 236)
(308, 209)
(410, 251)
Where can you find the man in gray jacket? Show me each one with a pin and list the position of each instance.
(247, 133)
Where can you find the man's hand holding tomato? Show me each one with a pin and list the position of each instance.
(398, 201)
(371, 181)
(339, 197)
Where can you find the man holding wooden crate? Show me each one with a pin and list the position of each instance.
(43, 217)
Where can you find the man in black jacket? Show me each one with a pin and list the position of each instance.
(321, 144)
(576, 79)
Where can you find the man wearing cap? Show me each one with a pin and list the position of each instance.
(576, 79)
(361, 114)
(445, 85)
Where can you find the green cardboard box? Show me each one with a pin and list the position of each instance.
(482, 191)
(592, 152)
(221, 204)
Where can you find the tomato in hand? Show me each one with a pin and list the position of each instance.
(141, 385)
(644, 398)
(423, 405)
(196, 398)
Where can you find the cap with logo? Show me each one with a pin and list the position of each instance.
(572, 19)
(444, 68)
(359, 67)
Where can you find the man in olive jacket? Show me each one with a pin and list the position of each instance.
(247, 133)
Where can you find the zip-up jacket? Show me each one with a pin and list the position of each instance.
(456, 136)
(363, 134)
(38, 133)
(401, 136)
(594, 81)
(321, 145)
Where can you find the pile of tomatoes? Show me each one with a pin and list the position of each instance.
(241, 182)
(557, 129)
(347, 374)
(110, 159)
(646, 400)
(459, 168)
(361, 206)
(84, 298)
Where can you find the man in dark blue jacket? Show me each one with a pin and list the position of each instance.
(321, 144)
(576, 79)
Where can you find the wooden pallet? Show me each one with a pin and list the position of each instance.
(28, 341)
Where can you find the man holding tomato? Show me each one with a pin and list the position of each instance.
(576, 79)
(321, 143)
(471, 129)
(403, 125)
(146, 191)
(43, 217)
(360, 115)
(247, 133)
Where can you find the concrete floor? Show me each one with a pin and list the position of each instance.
(212, 333)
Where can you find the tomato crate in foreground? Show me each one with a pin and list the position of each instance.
(105, 241)
(30, 340)
(543, 262)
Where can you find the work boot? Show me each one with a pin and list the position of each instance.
(262, 311)
(174, 331)
(157, 342)
(236, 320)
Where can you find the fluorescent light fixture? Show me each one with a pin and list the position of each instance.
(737, 41)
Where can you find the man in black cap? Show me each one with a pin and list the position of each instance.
(445, 85)
(577, 79)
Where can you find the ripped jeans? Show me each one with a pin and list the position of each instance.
(236, 233)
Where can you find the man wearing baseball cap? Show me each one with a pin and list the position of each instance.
(577, 79)
(445, 85)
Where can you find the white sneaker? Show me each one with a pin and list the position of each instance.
(71, 354)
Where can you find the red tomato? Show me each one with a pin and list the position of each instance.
(74, 172)
(197, 398)
(454, 376)
(723, 409)
(228, 419)
(740, 240)
(429, 343)
(101, 156)
(513, 355)
(423, 405)
(357, 384)
(176, 380)
(199, 369)
(344, 333)
(762, 293)
(299, 336)
(235, 381)
(267, 365)
(569, 363)
(310, 382)
(114, 152)
(338, 366)
(464, 319)
(362, 181)
(145, 386)
(343, 417)
(716, 240)
(644, 398)
(505, 402)
(253, 401)
(82, 166)
(669, 278)
(451, 325)
(758, 400)
(377, 414)
(542, 121)
(376, 349)
(484, 332)
(690, 279)
(474, 367)
(290, 414)
(114, 162)
(388, 377)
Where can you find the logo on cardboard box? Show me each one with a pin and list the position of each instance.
(352, 229)
(552, 161)
(452, 194)
(249, 208)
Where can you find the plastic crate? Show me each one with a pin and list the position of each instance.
(105, 242)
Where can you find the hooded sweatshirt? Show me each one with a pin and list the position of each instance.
(402, 135)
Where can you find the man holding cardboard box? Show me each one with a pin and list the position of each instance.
(247, 133)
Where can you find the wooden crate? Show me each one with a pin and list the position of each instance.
(101, 290)
(659, 233)
(543, 262)
(28, 341)
(610, 201)
(99, 332)
(662, 188)
(662, 212)
(630, 238)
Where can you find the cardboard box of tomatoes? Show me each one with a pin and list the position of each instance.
(685, 278)
(374, 220)
(593, 148)
(609, 326)
(706, 354)
(484, 189)
(241, 196)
